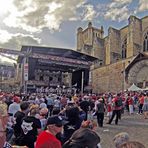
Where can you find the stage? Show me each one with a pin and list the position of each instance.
(54, 67)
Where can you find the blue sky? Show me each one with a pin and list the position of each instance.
(54, 23)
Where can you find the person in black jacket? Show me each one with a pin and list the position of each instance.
(18, 116)
(74, 122)
(85, 107)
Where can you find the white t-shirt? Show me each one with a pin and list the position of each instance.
(56, 103)
(43, 105)
(13, 108)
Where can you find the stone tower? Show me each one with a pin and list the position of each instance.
(112, 46)
(134, 36)
(88, 40)
(79, 39)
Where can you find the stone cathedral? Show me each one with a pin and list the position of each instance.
(122, 55)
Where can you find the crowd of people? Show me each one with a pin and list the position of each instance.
(44, 120)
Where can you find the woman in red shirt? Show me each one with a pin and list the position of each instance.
(131, 105)
(141, 102)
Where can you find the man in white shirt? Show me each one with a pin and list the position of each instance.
(15, 106)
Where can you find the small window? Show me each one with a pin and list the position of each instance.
(124, 49)
(145, 42)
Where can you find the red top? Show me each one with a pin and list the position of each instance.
(141, 100)
(130, 101)
(47, 140)
(109, 107)
(114, 100)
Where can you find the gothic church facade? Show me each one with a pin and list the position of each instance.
(122, 55)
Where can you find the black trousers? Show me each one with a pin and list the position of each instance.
(117, 114)
(140, 108)
(50, 108)
(120, 113)
(86, 115)
(100, 118)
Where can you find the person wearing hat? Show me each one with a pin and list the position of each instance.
(100, 109)
(47, 138)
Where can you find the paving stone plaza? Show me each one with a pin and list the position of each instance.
(135, 125)
(74, 74)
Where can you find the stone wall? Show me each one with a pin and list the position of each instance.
(107, 51)
(98, 47)
(137, 37)
(79, 39)
(134, 36)
(109, 77)
(144, 29)
(144, 23)
(123, 33)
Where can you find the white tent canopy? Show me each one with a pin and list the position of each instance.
(145, 89)
(134, 88)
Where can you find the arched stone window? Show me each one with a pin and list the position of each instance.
(124, 49)
(145, 42)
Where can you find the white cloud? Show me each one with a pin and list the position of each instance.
(6, 60)
(119, 3)
(4, 36)
(89, 12)
(34, 15)
(5, 6)
(115, 14)
(9, 40)
(143, 5)
(118, 10)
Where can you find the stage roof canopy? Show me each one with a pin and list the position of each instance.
(65, 59)
(61, 52)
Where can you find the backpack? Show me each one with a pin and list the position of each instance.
(100, 107)
(118, 103)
